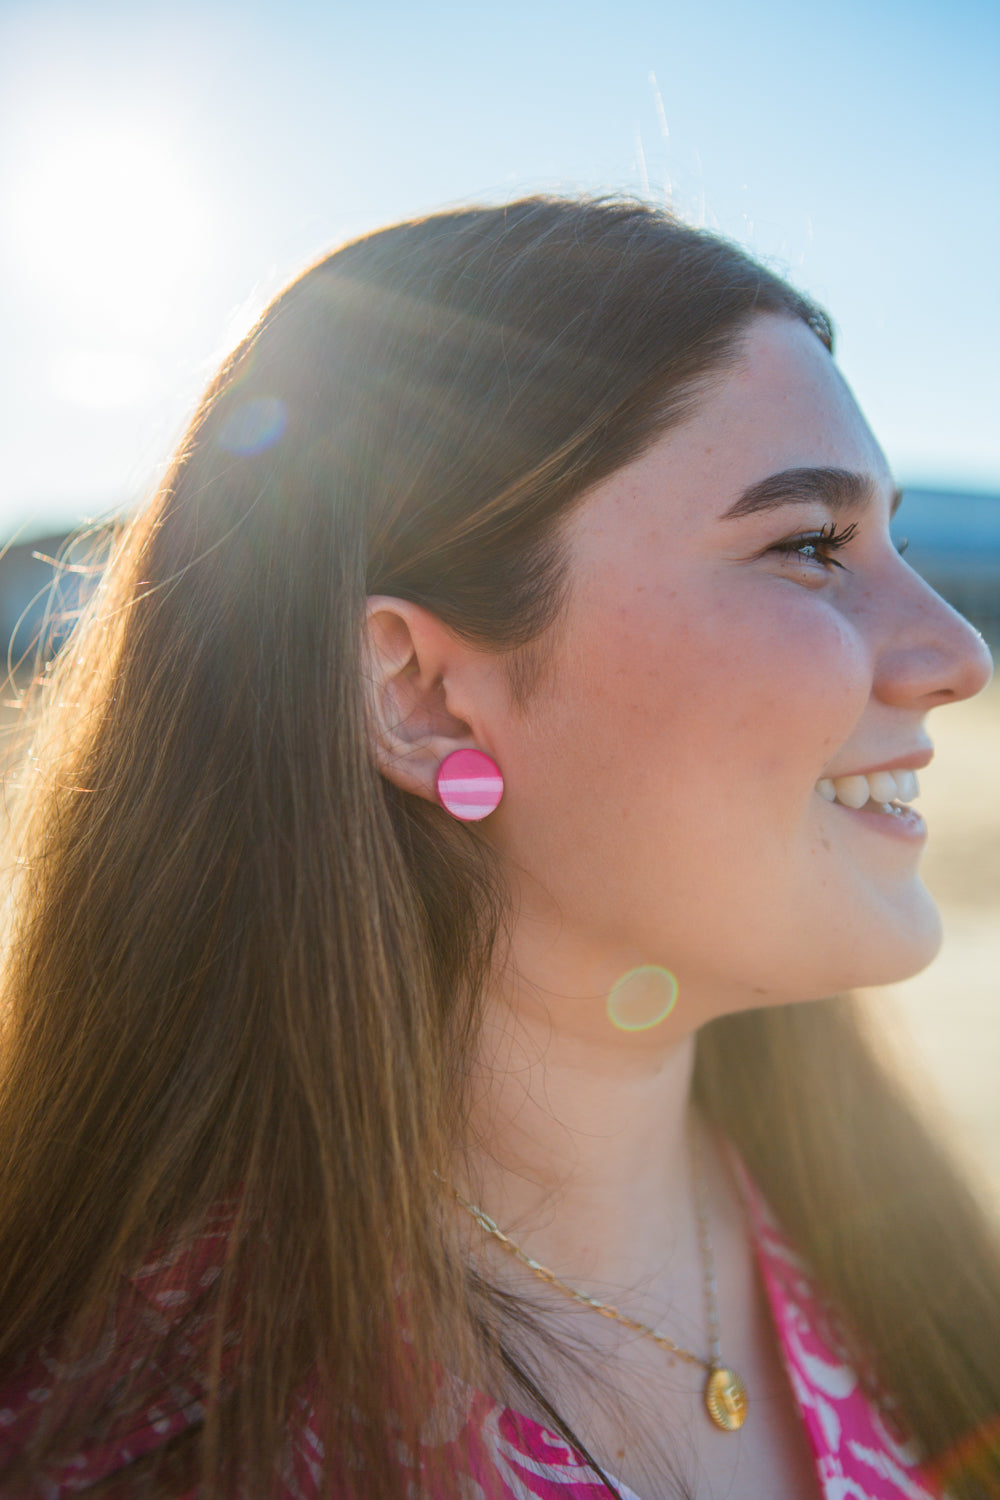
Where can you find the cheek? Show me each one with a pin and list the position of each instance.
(798, 685)
(740, 688)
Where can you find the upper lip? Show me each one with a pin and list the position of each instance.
(913, 760)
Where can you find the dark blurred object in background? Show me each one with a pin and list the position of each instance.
(954, 542)
(44, 584)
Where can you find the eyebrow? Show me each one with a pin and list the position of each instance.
(837, 489)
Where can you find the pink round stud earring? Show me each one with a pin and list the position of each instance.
(469, 784)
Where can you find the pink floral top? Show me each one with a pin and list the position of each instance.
(493, 1451)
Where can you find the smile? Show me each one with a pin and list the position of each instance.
(879, 791)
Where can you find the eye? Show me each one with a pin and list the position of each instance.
(817, 546)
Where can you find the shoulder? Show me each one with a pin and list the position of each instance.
(140, 1386)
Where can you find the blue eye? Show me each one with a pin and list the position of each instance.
(817, 546)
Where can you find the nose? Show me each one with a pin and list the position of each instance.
(930, 653)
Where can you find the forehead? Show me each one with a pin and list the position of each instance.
(785, 396)
(782, 405)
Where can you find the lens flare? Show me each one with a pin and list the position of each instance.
(253, 426)
(642, 998)
(973, 1456)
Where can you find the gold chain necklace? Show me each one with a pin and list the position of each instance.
(725, 1394)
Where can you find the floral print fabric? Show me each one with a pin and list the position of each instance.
(857, 1456)
(492, 1453)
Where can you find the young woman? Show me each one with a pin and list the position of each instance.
(380, 1119)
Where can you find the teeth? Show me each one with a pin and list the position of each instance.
(907, 784)
(852, 791)
(884, 787)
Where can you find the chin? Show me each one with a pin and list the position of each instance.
(906, 941)
(881, 943)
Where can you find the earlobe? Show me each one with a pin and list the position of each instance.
(407, 655)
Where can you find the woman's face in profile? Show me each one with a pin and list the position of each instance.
(716, 661)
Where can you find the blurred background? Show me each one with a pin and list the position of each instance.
(165, 167)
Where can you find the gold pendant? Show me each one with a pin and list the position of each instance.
(726, 1399)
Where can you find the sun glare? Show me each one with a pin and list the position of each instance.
(107, 219)
(110, 239)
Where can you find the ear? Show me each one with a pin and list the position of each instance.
(417, 685)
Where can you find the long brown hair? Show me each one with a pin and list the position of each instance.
(243, 969)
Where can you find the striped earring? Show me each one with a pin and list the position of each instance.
(469, 785)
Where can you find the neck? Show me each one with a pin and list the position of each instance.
(580, 1145)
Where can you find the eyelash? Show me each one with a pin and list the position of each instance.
(824, 542)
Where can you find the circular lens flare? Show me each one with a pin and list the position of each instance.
(642, 998)
(253, 426)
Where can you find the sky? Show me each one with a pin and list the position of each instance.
(165, 168)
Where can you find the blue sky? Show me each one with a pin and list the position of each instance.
(165, 167)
